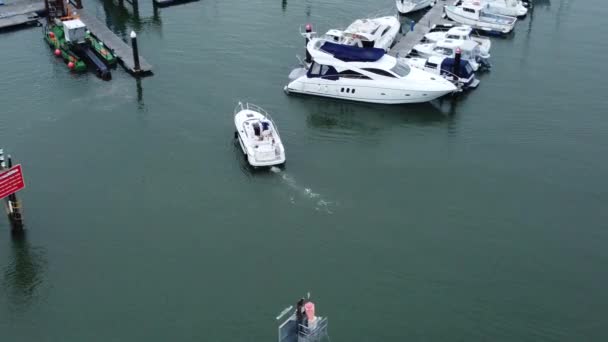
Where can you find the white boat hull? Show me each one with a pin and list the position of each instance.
(361, 92)
(405, 6)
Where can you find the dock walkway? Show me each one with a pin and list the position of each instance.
(123, 52)
(20, 12)
(433, 17)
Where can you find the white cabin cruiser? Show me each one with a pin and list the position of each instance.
(258, 136)
(459, 72)
(477, 16)
(447, 48)
(460, 33)
(513, 8)
(377, 32)
(407, 6)
(366, 75)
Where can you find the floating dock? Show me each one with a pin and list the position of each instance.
(122, 50)
(432, 18)
(20, 12)
(166, 3)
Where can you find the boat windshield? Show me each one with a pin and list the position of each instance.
(455, 37)
(443, 51)
(401, 69)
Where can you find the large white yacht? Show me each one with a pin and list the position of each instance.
(407, 6)
(364, 74)
(475, 14)
(258, 136)
(376, 32)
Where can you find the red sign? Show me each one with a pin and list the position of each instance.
(11, 181)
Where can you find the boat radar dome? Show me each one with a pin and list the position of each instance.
(308, 27)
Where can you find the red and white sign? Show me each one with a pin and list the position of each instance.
(11, 181)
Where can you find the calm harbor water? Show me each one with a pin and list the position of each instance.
(481, 219)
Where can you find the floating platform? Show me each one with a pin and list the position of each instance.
(166, 3)
(20, 13)
(432, 18)
(122, 50)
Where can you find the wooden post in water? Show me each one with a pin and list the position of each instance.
(135, 51)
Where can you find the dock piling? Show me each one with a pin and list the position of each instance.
(135, 51)
(308, 36)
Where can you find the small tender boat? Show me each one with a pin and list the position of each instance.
(407, 6)
(460, 33)
(377, 33)
(258, 136)
(302, 325)
(470, 50)
(459, 72)
(476, 15)
(513, 8)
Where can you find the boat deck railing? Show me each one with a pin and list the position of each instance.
(316, 334)
(250, 106)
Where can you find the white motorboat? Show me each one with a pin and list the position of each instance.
(513, 8)
(470, 51)
(258, 136)
(460, 33)
(459, 72)
(377, 32)
(407, 6)
(477, 16)
(364, 74)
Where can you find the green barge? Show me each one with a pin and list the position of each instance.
(79, 48)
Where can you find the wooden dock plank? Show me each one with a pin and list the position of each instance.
(422, 27)
(20, 12)
(122, 50)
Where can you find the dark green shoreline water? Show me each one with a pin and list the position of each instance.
(481, 220)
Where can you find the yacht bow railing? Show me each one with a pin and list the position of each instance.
(255, 108)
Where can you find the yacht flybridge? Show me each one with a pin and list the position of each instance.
(258, 136)
(376, 32)
(364, 74)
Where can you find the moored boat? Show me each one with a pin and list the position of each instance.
(458, 33)
(469, 49)
(458, 71)
(365, 75)
(472, 13)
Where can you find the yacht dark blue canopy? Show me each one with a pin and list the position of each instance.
(352, 53)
